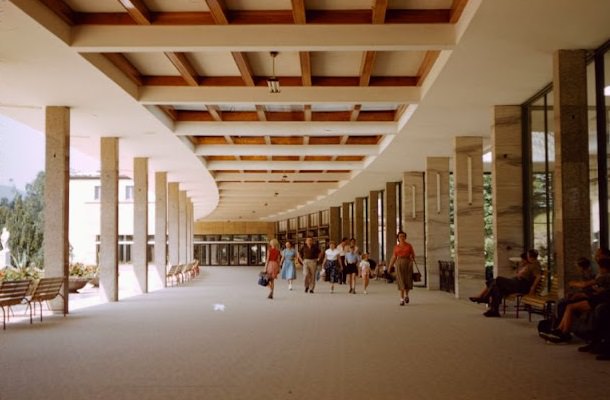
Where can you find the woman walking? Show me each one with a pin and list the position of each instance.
(402, 258)
(272, 266)
(287, 262)
(332, 265)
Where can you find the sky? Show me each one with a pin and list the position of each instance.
(22, 154)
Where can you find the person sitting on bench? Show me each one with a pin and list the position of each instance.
(525, 281)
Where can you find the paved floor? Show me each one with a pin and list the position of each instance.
(219, 337)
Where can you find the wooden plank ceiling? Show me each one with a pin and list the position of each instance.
(283, 145)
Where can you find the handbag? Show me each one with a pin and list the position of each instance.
(416, 274)
(263, 279)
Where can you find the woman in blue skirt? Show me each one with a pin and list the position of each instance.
(287, 262)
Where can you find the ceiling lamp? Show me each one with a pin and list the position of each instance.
(273, 83)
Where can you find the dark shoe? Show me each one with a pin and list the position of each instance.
(402, 302)
(407, 300)
(589, 348)
(492, 313)
(270, 296)
(603, 357)
(306, 290)
(556, 336)
(311, 291)
(477, 300)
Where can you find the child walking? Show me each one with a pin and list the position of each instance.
(365, 270)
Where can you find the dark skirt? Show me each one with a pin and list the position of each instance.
(332, 273)
(351, 269)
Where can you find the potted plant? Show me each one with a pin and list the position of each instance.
(79, 275)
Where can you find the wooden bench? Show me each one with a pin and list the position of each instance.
(541, 302)
(47, 289)
(12, 293)
(172, 274)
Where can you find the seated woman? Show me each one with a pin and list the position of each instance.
(601, 294)
(525, 281)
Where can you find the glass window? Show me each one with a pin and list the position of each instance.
(541, 177)
(129, 192)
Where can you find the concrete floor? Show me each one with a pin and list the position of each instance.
(219, 337)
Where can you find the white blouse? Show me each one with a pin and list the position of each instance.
(332, 255)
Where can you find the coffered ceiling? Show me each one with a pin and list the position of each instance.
(353, 76)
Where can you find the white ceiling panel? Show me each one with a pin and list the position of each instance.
(177, 5)
(336, 63)
(258, 4)
(95, 6)
(152, 64)
(214, 63)
(287, 63)
(398, 63)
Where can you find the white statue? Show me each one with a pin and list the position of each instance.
(4, 238)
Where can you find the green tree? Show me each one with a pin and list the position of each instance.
(24, 218)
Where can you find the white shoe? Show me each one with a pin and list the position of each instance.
(290, 286)
(364, 292)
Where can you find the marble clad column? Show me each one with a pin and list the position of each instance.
(413, 215)
(182, 226)
(359, 222)
(334, 225)
(507, 187)
(140, 222)
(161, 224)
(373, 245)
(438, 246)
(188, 229)
(109, 215)
(172, 222)
(468, 212)
(346, 222)
(571, 228)
(390, 210)
(56, 198)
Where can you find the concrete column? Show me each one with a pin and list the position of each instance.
(507, 187)
(373, 246)
(390, 211)
(346, 222)
(468, 211)
(109, 226)
(334, 225)
(359, 222)
(413, 215)
(182, 226)
(437, 218)
(161, 224)
(56, 198)
(572, 224)
(172, 223)
(140, 222)
(189, 231)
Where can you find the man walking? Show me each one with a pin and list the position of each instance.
(309, 256)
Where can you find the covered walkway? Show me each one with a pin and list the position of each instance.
(179, 343)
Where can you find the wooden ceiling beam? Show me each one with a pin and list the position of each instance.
(379, 10)
(218, 10)
(244, 68)
(457, 7)
(123, 64)
(183, 65)
(260, 111)
(426, 65)
(257, 17)
(355, 112)
(307, 112)
(305, 68)
(368, 123)
(366, 67)
(285, 81)
(299, 14)
(62, 10)
(138, 11)
(214, 112)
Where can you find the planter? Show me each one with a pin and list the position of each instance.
(76, 283)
